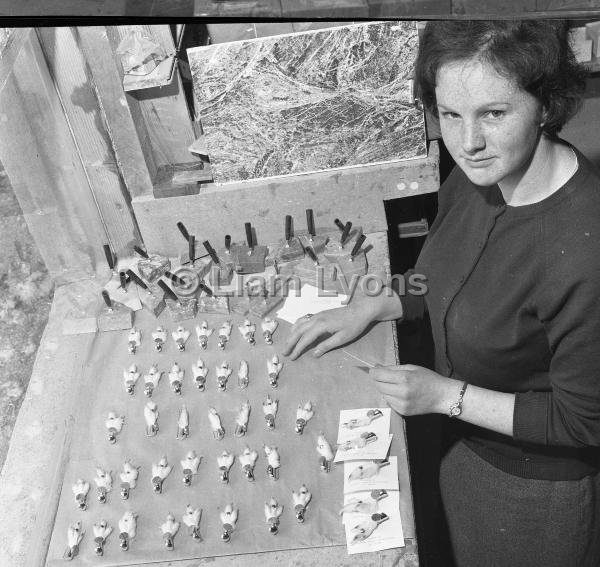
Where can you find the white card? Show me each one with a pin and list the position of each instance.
(387, 535)
(368, 475)
(353, 422)
(377, 449)
(309, 301)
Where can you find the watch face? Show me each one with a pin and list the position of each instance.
(455, 410)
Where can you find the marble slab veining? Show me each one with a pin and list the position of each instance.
(308, 102)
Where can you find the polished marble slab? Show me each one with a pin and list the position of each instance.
(306, 102)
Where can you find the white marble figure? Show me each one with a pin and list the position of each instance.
(203, 332)
(180, 336)
(368, 470)
(301, 500)
(199, 371)
(358, 442)
(80, 489)
(228, 517)
(74, 537)
(241, 421)
(274, 366)
(367, 505)
(127, 529)
(225, 460)
(114, 425)
(134, 339)
(103, 480)
(160, 471)
(183, 423)
(191, 518)
(151, 380)
(215, 424)
(303, 416)
(247, 461)
(101, 531)
(362, 531)
(243, 375)
(130, 378)
(151, 418)
(268, 327)
(224, 334)
(176, 378)
(370, 416)
(223, 374)
(247, 330)
(169, 529)
(273, 511)
(190, 466)
(160, 338)
(324, 449)
(128, 477)
(270, 410)
(273, 462)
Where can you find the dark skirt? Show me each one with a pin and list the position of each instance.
(496, 519)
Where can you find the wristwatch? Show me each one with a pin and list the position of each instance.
(456, 408)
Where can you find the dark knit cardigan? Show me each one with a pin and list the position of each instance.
(514, 302)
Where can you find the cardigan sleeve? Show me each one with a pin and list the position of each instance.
(569, 309)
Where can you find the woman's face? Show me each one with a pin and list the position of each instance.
(489, 124)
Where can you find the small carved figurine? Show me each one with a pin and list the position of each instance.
(303, 415)
(190, 467)
(274, 366)
(270, 411)
(215, 424)
(151, 418)
(247, 461)
(113, 424)
(74, 537)
(191, 519)
(358, 442)
(228, 519)
(203, 332)
(80, 490)
(169, 529)
(273, 511)
(363, 530)
(130, 378)
(301, 500)
(224, 334)
(134, 340)
(223, 374)
(127, 529)
(176, 378)
(324, 449)
(200, 370)
(160, 338)
(151, 380)
(241, 421)
(180, 336)
(369, 470)
(371, 415)
(103, 480)
(273, 462)
(243, 375)
(128, 477)
(225, 460)
(160, 471)
(183, 424)
(364, 505)
(247, 330)
(101, 531)
(268, 326)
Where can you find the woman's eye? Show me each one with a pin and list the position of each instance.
(495, 113)
(451, 115)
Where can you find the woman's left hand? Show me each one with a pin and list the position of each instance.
(414, 390)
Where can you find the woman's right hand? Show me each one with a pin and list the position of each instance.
(336, 327)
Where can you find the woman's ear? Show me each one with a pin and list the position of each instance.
(543, 117)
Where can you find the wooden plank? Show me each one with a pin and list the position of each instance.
(325, 8)
(355, 194)
(559, 5)
(163, 110)
(63, 8)
(238, 8)
(42, 161)
(492, 7)
(409, 8)
(72, 78)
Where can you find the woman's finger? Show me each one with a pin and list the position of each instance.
(308, 337)
(336, 340)
(298, 329)
(388, 375)
(387, 389)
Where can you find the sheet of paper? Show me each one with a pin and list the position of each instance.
(369, 475)
(387, 535)
(309, 301)
(375, 450)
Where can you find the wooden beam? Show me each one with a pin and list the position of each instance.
(71, 76)
(44, 165)
(124, 122)
(355, 194)
(239, 8)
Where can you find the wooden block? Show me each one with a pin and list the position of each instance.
(317, 243)
(292, 251)
(160, 76)
(238, 8)
(154, 304)
(349, 268)
(325, 8)
(153, 268)
(261, 306)
(409, 8)
(78, 326)
(356, 193)
(183, 309)
(115, 319)
(492, 7)
(173, 180)
(245, 263)
(220, 275)
(214, 304)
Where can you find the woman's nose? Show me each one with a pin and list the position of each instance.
(473, 139)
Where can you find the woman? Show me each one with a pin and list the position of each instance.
(512, 263)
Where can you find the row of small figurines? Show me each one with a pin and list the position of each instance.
(181, 335)
(199, 372)
(191, 518)
(114, 423)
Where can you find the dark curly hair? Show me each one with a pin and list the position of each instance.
(535, 53)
